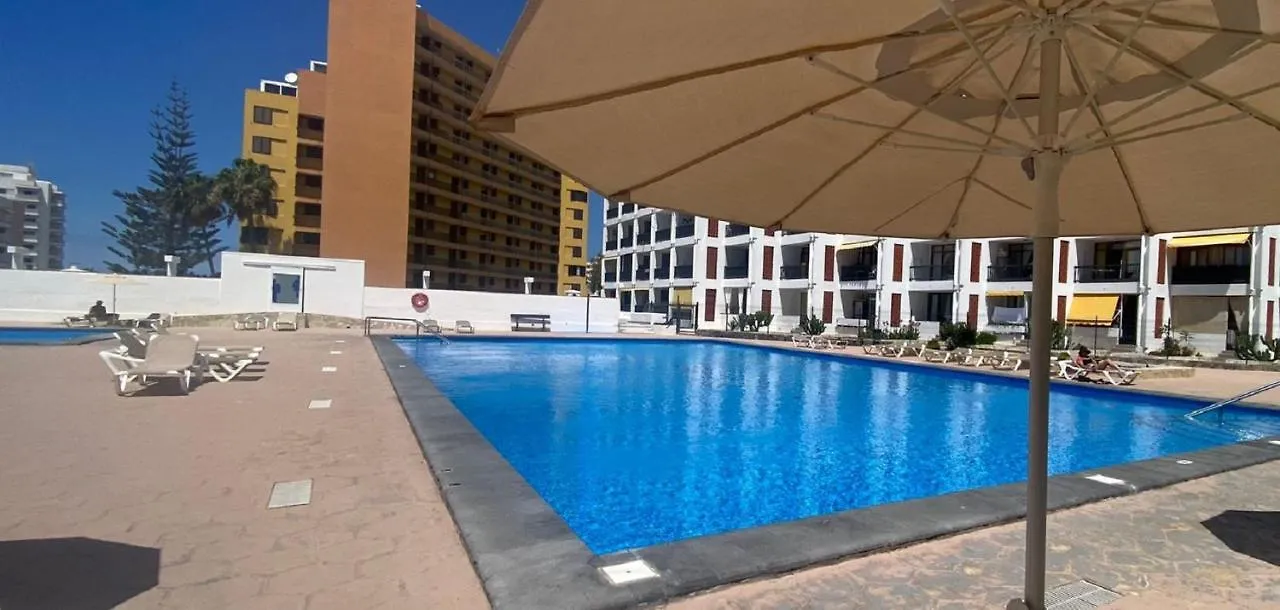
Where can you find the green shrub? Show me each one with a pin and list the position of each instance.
(1246, 349)
(763, 319)
(1176, 342)
(812, 325)
(907, 332)
(958, 335)
(933, 344)
(1061, 337)
(985, 338)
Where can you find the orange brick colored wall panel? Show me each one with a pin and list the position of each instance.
(895, 309)
(1064, 255)
(768, 263)
(1161, 263)
(1159, 317)
(828, 306)
(766, 301)
(1062, 308)
(709, 306)
(971, 318)
(829, 264)
(713, 263)
(975, 263)
(897, 263)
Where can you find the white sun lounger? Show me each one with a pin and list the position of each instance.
(251, 321)
(1068, 370)
(798, 340)
(972, 359)
(168, 356)
(285, 320)
(938, 356)
(1008, 362)
(464, 327)
(431, 326)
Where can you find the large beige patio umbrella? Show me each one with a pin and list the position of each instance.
(912, 118)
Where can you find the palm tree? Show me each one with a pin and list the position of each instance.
(245, 192)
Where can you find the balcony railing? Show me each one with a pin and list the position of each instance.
(1009, 273)
(1107, 273)
(684, 272)
(734, 230)
(643, 238)
(642, 275)
(1210, 274)
(663, 235)
(624, 275)
(628, 208)
(857, 273)
(612, 244)
(735, 272)
(611, 213)
(684, 231)
(611, 276)
(661, 273)
(626, 242)
(307, 220)
(795, 272)
(933, 273)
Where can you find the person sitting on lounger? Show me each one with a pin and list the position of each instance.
(97, 312)
(1085, 360)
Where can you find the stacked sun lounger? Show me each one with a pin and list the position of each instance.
(146, 355)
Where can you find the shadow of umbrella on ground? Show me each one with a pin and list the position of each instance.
(74, 573)
(1253, 533)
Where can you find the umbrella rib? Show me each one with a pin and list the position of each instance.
(1001, 193)
(1078, 75)
(1120, 141)
(986, 66)
(919, 202)
(1151, 101)
(1179, 26)
(941, 56)
(918, 108)
(1173, 117)
(1194, 82)
(911, 132)
(1111, 65)
(734, 67)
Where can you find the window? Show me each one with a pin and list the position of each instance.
(312, 180)
(313, 152)
(577, 252)
(309, 209)
(577, 233)
(261, 145)
(576, 195)
(286, 288)
(938, 307)
(254, 236)
(314, 123)
(263, 115)
(577, 214)
(306, 238)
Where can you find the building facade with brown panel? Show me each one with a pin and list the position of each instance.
(575, 215)
(408, 185)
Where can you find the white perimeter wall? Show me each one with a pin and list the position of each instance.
(332, 287)
(49, 296)
(492, 311)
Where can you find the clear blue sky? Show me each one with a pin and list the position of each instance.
(82, 77)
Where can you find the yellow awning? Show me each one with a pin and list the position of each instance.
(1005, 293)
(1219, 239)
(1093, 309)
(683, 296)
(857, 244)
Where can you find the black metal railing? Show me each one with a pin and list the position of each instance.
(661, 273)
(611, 213)
(1009, 273)
(735, 272)
(624, 275)
(662, 234)
(612, 244)
(933, 273)
(1209, 274)
(684, 272)
(857, 273)
(734, 230)
(644, 238)
(795, 272)
(626, 242)
(628, 208)
(1107, 273)
(684, 231)
(610, 276)
(642, 275)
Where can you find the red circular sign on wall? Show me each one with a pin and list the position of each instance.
(420, 301)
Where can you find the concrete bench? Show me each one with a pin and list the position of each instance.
(531, 321)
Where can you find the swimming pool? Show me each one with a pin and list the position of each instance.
(34, 335)
(640, 442)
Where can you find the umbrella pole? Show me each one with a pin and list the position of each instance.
(1048, 170)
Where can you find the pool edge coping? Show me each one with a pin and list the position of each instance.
(526, 556)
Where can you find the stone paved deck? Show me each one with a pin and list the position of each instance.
(190, 476)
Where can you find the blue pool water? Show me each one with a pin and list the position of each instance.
(636, 443)
(48, 336)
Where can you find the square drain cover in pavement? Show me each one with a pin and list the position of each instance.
(320, 404)
(290, 493)
(1079, 595)
(328, 369)
(629, 572)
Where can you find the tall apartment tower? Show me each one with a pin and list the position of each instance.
(284, 129)
(574, 216)
(32, 220)
(1116, 291)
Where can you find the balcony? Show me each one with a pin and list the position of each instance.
(642, 275)
(857, 273)
(1009, 273)
(736, 272)
(734, 230)
(795, 272)
(628, 208)
(644, 238)
(611, 244)
(684, 272)
(627, 242)
(305, 249)
(684, 231)
(1210, 274)
(933, 273)
(611, 213)
(1088, 274)
(663, 235)
(307, 220)
(611, 276)
(661, 273)
(624, 275)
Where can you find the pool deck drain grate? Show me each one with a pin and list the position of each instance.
(328, 369)
(320, 403)
(1106, 480)
(1079, 595)
(290, 493)
(629, 572)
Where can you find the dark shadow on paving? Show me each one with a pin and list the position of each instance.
(1255, 533)
(74, 573)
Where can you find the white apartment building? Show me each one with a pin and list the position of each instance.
(32, 220)
(1117, 291)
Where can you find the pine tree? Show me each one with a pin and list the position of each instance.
(169, 217)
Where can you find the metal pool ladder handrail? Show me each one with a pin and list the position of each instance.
(418, 327)
(1234, 399)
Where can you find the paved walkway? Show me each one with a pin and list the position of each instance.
(186, 479)
(191, 476)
